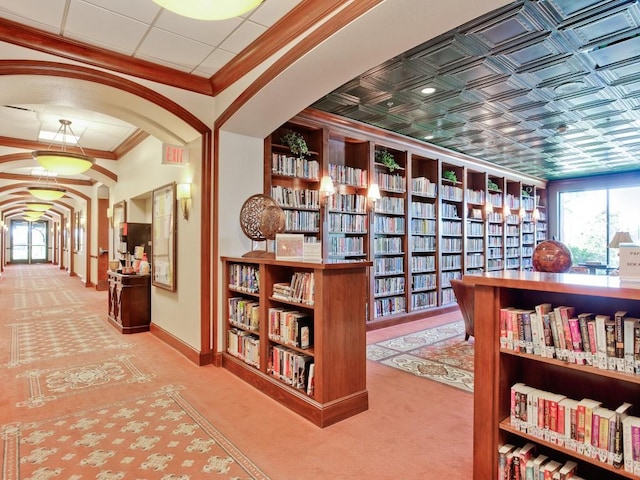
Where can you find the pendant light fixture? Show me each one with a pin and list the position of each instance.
(32, 214)
(38, 206)
(46, 192)
(209, 9)
(61, 161)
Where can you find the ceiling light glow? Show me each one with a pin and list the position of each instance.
(428, 90)
(209, 9)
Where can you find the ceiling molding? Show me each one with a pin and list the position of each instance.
(130, 143)
(35, 39)
(31, 145)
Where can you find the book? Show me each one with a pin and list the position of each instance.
(549, 347)
(311, 380)
(631, 442)
(622, 412)
(576, 341)
(568, 469)
(550, 468)
(618, 319)
(607, 420)
(562, 351)
(583, 322)
(585, 424)
(629, 325)
(636, 348)
(503, 453)
(526, 344)
(570, 408)
(526, 453)
(610, 335)
(557, 349)
(538, 464)
(601, 341)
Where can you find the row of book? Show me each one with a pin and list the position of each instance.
(295, 197)
(244, 277)
(295, 166)
(603, 341)
(290, 327)
(244, 313)
(524, 463)
(293, 368)
(346, 175)
(244, 345)
(584, 426)
(299, 290)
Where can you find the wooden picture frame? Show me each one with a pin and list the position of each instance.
(119, 215)
(163, 228)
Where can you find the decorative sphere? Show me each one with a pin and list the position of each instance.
(552, 256)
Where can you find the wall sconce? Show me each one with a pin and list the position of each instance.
(326, 187)
(536, 214)
(506, 211)
(183, 193)
(110, 216)
(488, 207)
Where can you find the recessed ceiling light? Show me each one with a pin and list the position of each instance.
(568, 87)
(428, 137)
(428, 90)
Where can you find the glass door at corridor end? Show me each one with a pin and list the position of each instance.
(28, 241)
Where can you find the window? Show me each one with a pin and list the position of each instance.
(588, 220)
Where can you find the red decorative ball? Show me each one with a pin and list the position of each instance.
(552, 256)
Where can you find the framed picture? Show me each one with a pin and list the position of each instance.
(289, 246)
(163, 257)
(119, 216)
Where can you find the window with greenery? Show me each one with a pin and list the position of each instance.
(589, 219)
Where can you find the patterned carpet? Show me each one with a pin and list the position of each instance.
(79, 401)
(440, 354)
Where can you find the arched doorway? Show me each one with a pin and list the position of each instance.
(28, 241)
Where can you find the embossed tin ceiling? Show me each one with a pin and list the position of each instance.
(550, 88)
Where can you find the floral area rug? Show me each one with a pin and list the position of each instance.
(156, 436)
(440, 354)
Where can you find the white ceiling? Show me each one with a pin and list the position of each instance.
(137, 28)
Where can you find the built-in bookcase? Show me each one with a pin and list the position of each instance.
(451, 228)
(475, 227)
(293, 181)
(512, 241)
(424, 230)
(390, 235)
(423, 211)
(347, 210)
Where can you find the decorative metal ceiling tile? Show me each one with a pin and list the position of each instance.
(549, 87)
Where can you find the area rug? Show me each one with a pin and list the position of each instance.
(440, 354)
(156, 436)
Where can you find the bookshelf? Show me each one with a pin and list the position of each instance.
(451, 233)
(347, 210)
(498, 369)
(425, 230)
(528, 226)
(294, 182)
(475, 227)
(423, 233)
(512, 226)
(259, 351)
(389, 236)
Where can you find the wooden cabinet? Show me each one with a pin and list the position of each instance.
(130, 302)
(497, 370)
(260, 354)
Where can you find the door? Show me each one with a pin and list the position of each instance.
(28, 241)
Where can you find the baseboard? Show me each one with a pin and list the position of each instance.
(187, 350)
(410, 317)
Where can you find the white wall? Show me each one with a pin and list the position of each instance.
(139, 173)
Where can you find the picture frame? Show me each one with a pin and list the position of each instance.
(289, 246)
(119, 215)
(163, 230)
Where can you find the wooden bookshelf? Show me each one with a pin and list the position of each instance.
(398, 236)
(498, 369)
(338, 351)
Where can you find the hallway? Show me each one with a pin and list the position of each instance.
(61, 363)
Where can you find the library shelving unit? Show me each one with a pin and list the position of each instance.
(451, 234)
(512, 226)
(498, 369)
(528, 228)
(424, 230)
(260, 313)
(294, 181)
(540, 214)
(389, 236)
(475, 196)
(347, 210)
(423, 239)
(495, 224)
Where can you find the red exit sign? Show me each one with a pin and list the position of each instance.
(174, 155)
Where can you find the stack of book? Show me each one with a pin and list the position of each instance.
(525, 463)
(293, 368)
(299, 290)
(291, 327)
(609, 342)
(244, 313)
(244, 345)
(585, 426)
